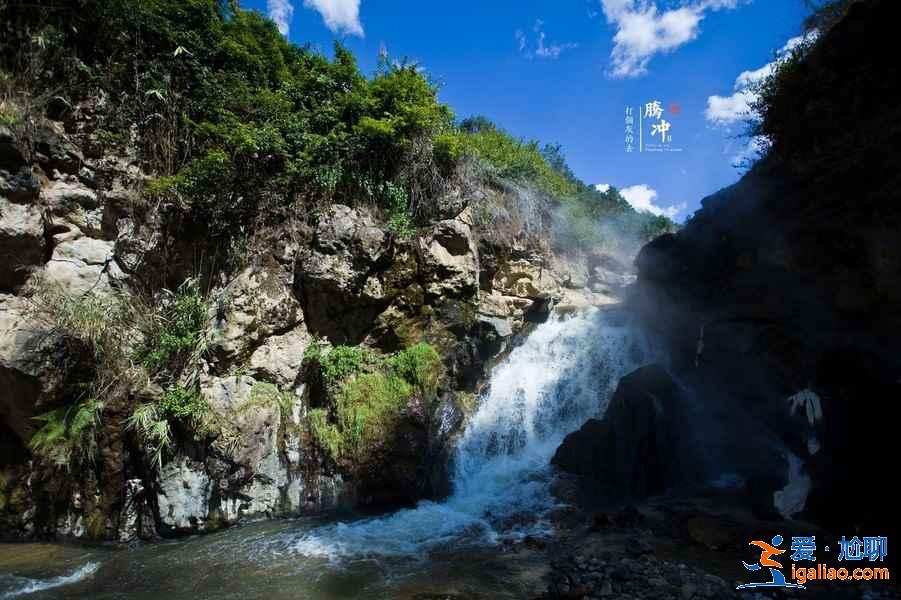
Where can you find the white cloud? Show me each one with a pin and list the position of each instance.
(281, 11)
(725, 110)
(542, 48)
(728, 110)
(602, 187)
(642, 198)
(341, 16)
(644, 31)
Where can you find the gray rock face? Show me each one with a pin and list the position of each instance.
(83, 265)
(253, 413)
(255, 469)
(140, 246)
(450, 259)
(21, 242)
(19, 186)
(256, 305)
(184, 496)
(279, 358)
(338, 279)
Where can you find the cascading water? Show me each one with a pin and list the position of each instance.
(563, 373)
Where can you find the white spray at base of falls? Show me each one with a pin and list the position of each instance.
(563, 373)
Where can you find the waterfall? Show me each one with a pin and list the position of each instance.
(563, 373)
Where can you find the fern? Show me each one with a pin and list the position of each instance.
(68, 434)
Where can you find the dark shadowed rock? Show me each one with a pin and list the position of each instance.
(784, 289)
(638, 449)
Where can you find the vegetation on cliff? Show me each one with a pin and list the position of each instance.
(195, 135)
(367, 396)
(239, 125)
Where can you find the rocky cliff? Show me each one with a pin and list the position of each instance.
(778, 302)
(77, 239)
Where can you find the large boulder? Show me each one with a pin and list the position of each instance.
(339, 279)
(525, 278)
(71, 202)
(639, 448)
(278, 360)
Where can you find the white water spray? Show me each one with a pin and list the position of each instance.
(26, 585)
(562, 374)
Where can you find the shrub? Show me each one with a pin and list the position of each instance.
(183, 403)
(68, 435)
(367, 406)
(166, 339)
(338, 363)
(420, 366)
(152, 428)
(177, 331)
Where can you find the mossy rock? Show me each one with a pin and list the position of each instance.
(95, 525)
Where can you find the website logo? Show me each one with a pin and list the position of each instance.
(649, 127)
(804, 549)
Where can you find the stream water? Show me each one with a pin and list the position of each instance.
(563, 373)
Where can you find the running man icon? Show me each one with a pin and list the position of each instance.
(767, 551)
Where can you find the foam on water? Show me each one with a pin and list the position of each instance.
(563, 373)
(26, 585)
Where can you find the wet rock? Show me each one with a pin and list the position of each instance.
(637, 449)
(184, 496)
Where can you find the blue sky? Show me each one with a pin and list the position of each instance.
(565, 72)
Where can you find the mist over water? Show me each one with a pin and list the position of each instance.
(562, 374)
